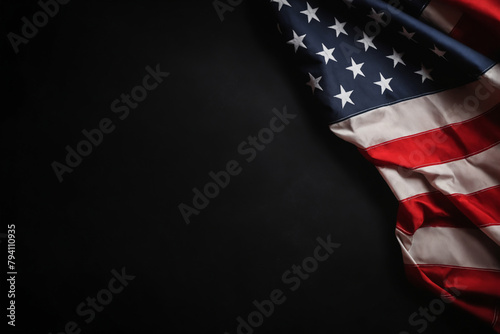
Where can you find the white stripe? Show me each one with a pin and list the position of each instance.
(493, 232)
(467, 175)
(464, 176)
(461, 247)
(442, 16)
(404, 183)
(422, 113)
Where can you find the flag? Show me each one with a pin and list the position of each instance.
(415, 86)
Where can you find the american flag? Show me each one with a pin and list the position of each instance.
(415, 86)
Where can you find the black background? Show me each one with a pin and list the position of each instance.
(119, 207)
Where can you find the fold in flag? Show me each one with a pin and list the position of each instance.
(415, 86)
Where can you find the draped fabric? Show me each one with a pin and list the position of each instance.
(414, 85)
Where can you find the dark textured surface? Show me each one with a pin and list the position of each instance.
(119, 207)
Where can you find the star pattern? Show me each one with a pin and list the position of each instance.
(377, 17)
(391, 68)
(438, 52)
(327, 54)
(425, 73)
(349, 3)
(344, 96)
(339, 28)
(311, 13)
(297, 41)
(314, 82)
(281, 3)
(367, 41)
(355, 68)
(383, 83)
(407, 34)
(396, 57)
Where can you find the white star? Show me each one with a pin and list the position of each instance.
(344, 96)
(355, 68)
(327, 53)
(383, 83)
(281, 3)
(377, 17)
(438, 52)
(407, 34)
(397, 57)
(314, 82)
(367, 41)
(425, 73)
(297, 41)
(338, 27)
(310, 12)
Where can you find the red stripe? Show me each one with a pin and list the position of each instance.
(471, 32)
(434, 209)
(440, 145)
(430, 209)
(486, 11)
(476, 291)
(482, 207)
(479, 27)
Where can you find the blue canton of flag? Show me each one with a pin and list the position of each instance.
(363, 55)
